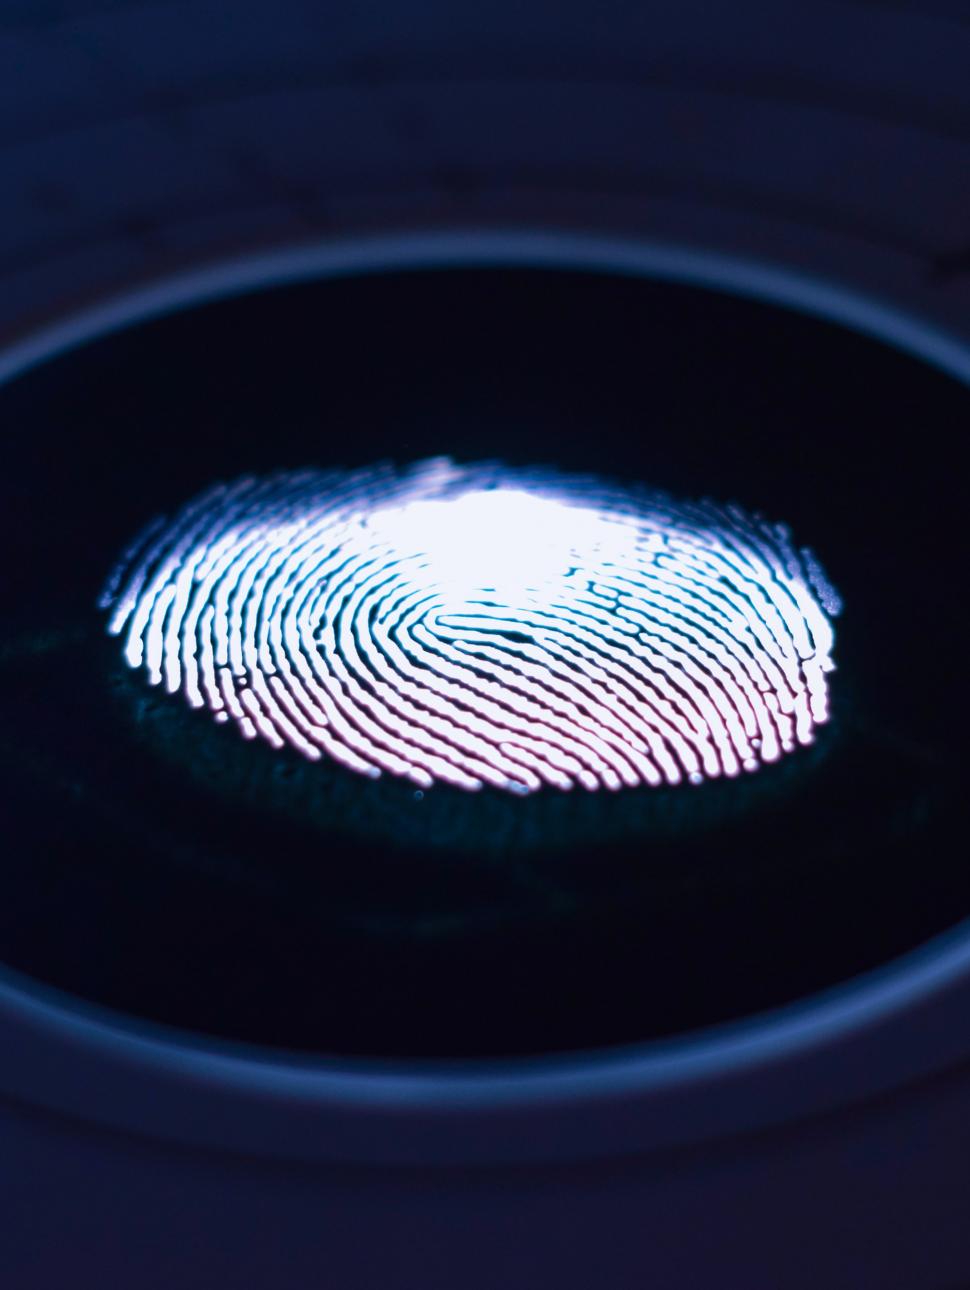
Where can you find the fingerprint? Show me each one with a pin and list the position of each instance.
(482, 625)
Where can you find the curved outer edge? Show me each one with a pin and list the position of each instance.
(876, 1033)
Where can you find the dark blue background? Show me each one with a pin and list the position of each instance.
(830, 138)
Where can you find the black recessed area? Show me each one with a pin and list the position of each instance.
(157, 864)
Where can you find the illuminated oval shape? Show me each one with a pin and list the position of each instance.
(483, 625)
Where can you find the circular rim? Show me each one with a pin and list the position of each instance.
(823, 1051)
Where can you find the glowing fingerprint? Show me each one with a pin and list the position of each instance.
(482, 625)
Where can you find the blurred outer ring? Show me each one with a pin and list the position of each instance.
(872, 1037)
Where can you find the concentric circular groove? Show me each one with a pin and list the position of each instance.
(482, 625)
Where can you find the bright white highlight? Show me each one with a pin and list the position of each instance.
(499, 538)
(479, 625)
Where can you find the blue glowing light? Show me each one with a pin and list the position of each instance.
(484, 626)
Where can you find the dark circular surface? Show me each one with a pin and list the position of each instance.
(161, 867)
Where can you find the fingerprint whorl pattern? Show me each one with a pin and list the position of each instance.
(483, 625)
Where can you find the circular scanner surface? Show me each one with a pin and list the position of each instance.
(166, 868)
